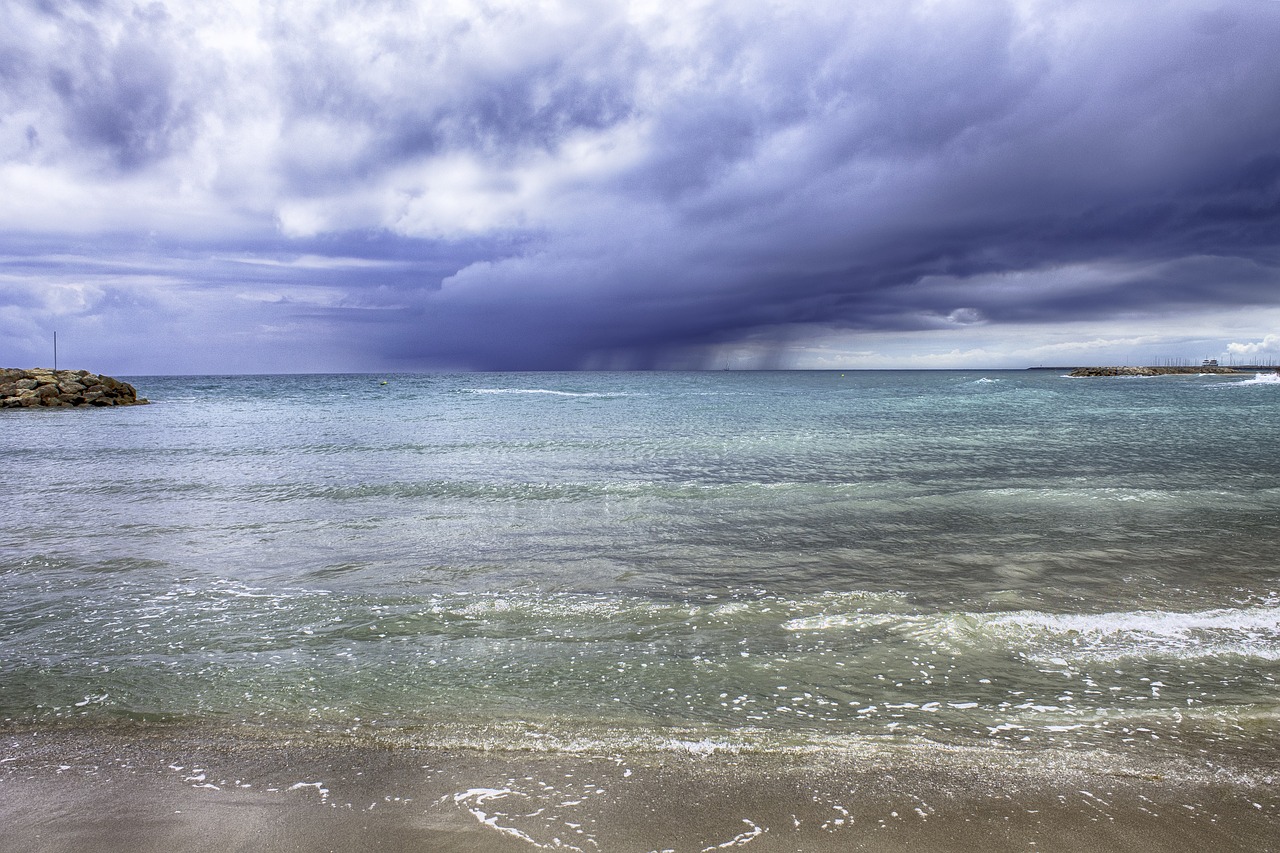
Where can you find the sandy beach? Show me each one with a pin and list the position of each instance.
(167, 789)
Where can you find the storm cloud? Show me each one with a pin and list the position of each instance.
(259, 186)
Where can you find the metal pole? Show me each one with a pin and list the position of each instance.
(55, 352)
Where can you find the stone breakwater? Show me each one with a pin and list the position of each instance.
(41, 387)
(1149, 371)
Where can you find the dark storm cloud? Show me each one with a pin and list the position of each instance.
(954, 154)
(606, 184)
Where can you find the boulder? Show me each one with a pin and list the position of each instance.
(42, 387)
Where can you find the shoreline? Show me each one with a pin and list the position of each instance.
(166, 789)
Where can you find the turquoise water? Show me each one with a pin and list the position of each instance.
(737, 560)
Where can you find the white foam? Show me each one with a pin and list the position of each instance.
(473, 798)
(831, 621)
(741, 838)
(319, 786)
(1261, 379)
(480, 795)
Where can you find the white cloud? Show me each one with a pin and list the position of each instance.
(1270, 344)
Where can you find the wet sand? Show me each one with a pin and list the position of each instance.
(171, 790)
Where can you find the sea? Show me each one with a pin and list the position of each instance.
(612, 563)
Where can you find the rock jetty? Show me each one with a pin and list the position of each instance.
(42, 387)
(1149, 371)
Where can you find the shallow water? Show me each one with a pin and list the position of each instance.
(702, 561)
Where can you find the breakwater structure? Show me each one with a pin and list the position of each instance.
(1151, 371)
(41, 387)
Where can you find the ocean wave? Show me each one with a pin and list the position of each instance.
(833, 621)
(500, 492)
(573, 616)
(1258, 379)
(547, 391)
(1246, 632)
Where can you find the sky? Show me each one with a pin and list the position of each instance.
(277, 187)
